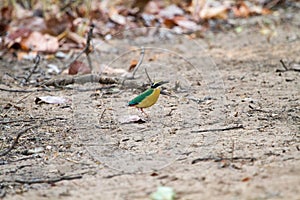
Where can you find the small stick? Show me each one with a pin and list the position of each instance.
(102, 114)
(283, 64)
(15, 142)
(21, 132)
(36, 64)
(218, 159)
(51, 180)
(15, 121)
(86, 49)
(219, 129)
(88, 44)
(140, 62)
(4, 113)
(286, 68)
(87, 78)
(55, 90)
(148, 76)
(232, 151)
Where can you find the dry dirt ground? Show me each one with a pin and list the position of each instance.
(228, 127)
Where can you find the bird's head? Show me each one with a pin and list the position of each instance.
(158, 83)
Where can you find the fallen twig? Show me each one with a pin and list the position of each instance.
(131, 75)
(139, 62)
(150, 81)
(54, 90)
(286, 68)
(21, 132)
(258, 110)
(27, 91)
(50, 180)
(219, 159)
(115, 175)
(36, 64)
(283, 64)
(15, 121)
(86, 49)
(88, 78)
(4, 113)
(102, 114)
(218, 129)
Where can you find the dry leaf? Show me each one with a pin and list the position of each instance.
(260, 10)
(116, 17)
(51, 100)
(132, 119)
(241, 10)
(171, 11)
(152, 8)
(220, 12)
(246, 179)
(133, 64)
(15, 37)
(39, 42)
(76, 38)
(185, 23)
(169, 23)
(78, 67)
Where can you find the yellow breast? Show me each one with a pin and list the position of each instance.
(150, 100)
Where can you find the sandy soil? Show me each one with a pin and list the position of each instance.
(224, 81)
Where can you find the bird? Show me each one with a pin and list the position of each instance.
(148, 98)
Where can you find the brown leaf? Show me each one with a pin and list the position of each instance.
(14, 38)
(171, 11)
(57, 26)
(78, 67)
(241, 10)
(246, 179)
(259, 10)
(140, 4)
(152, 8)
(133, 64)
(169, 23)
(185, 23)
(76, 38)
(40, 42)
(116, 17)
(6, 13)
(219, 12)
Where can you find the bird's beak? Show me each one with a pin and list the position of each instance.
(162, 82)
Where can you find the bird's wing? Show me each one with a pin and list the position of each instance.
(140, 98)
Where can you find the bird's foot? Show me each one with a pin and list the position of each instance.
(144, 113)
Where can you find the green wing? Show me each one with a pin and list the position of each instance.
(141, 97)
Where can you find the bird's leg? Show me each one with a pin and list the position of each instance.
(141, 109)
